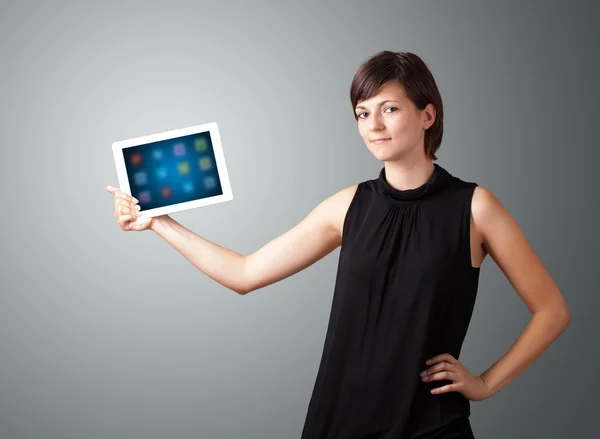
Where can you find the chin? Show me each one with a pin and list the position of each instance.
(384, 155)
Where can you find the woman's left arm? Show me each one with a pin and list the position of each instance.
(506, 244)
(504, 241)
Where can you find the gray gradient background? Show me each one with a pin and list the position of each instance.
(106, 334)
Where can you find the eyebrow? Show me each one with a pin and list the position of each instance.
(381, 103)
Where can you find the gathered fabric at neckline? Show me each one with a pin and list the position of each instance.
(438, 180)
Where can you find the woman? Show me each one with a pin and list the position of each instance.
(412, 244)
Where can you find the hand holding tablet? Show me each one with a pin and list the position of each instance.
(173, 171)
(126, 212)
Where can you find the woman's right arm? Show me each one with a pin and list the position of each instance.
(313, 238)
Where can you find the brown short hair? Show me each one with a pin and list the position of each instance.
(414, 77)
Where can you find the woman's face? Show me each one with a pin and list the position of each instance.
(391, 115)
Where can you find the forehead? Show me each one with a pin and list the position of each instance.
(391, 91)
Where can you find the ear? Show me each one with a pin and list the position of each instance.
(429, 115)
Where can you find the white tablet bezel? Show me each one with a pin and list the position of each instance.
(215, 137)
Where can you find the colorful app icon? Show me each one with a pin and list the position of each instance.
(183, 168)
(157, 154)
(161, 172)
(136, 159)
(200, 144)
(179, 149)
(188, 187)
(209, 182)
(205, 163)
(144, 196)
(141, 178)
(165, 191)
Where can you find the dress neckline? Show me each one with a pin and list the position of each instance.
(438, 180)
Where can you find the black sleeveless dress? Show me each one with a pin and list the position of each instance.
(404, 292)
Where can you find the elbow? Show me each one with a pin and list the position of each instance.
(245, 285)
(558, 317)
(566, 318)
(558, 314)
(562, 317)
(249, 280)
(242, 292)
(565, 315)
(244, 289)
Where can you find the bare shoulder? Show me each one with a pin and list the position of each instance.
(489, 216)
(338, 205)
(483, 205)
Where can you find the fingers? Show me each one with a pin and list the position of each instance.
(122, 203)
(120, 194)
(126, 218)
(126, 197)
(439, 367)
(126, 207)
(445, 389)
(125, 221)
(442, 357)
(123, 209)
(125, 203)
(444, 375)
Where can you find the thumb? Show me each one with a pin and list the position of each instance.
(112, 190)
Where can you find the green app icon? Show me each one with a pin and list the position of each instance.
(200, 145)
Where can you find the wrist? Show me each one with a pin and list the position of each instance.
(158, 222)
(490, 391)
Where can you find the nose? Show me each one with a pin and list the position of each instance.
(376, 123)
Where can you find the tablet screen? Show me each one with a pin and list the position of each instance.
(173, 171)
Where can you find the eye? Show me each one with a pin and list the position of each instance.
(387, 108)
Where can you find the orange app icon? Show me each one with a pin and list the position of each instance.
(165, 192)
(204, 163)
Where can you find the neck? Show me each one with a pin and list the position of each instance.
(405, 175)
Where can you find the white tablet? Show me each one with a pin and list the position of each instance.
(173, 171)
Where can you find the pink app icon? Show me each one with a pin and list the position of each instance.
(165, 192)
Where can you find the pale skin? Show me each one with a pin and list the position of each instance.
(494, 232)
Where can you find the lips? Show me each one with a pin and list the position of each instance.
(378, 141)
